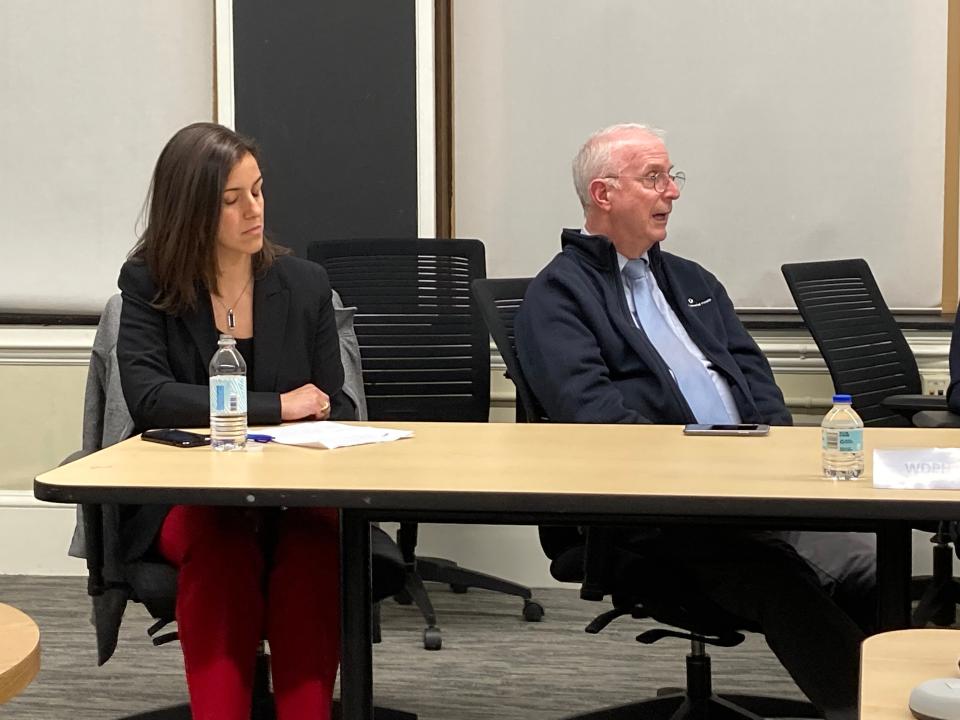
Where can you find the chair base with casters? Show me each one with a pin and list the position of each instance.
(662, 596)
(697, 700)
(440, 570)
(262, 707)
(448, 572)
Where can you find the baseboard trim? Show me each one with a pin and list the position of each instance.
(34, 536)
(24, 499)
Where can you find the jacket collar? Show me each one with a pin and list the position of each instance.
(201, 326)
(598, 251)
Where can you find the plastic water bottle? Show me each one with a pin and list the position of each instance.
(842, 441)
(228, 397)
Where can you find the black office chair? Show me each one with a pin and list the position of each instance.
(154, 584)
(499, 301)
(870, 360)
(426, 356)
(112, 581)
(590, 558)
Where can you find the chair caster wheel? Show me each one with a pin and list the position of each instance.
(432, 639)
(458, 589)
(532, 611)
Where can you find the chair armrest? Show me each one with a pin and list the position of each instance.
(936, 419)
(915, 403)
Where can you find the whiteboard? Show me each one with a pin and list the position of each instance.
(808, 130)
(91, 91)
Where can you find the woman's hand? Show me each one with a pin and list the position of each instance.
(307, 402)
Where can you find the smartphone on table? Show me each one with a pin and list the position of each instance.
(177, 438)
(718, 429)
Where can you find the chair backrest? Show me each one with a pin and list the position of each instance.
(865, 351)
(350, 356)
(499, 301)
(112, 581)
(426, 353)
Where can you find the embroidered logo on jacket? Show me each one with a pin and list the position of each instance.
(698, 303)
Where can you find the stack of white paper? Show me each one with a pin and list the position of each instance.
(330, 435)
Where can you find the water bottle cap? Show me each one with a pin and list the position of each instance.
(842, 399)
(226, 339)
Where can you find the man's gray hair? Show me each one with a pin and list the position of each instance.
(593, 159)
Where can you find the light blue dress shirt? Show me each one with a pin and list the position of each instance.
(723, 388)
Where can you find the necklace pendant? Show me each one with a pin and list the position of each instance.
(231, 321)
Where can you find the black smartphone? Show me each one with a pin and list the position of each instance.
(714, 429)
(177, 438)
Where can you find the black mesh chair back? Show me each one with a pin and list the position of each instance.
(865, 351)
(426, 355)
(499, 300)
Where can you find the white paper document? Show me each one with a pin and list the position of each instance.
(330, 435)
(930, 468)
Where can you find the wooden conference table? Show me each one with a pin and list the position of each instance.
(893, 663)
(19, 651)
(527, 474)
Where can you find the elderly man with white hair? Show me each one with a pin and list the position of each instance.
(614, 330)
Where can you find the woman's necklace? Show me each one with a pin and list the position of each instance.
(231, 320)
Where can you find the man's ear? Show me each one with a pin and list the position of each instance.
(599, 191)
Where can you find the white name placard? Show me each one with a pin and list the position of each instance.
(931, 468)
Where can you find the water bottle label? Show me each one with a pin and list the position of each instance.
(843, 440)
(228, 395)
(850, 440)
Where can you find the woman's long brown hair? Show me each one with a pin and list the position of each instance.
(183, 214)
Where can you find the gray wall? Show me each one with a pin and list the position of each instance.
(808, 129)
(91, 90)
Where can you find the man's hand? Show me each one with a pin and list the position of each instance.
(307, 402)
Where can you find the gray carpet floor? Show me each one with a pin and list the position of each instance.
(492, 665)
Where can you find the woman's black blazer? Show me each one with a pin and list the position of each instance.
(163, 360)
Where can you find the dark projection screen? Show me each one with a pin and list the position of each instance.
(328, 90)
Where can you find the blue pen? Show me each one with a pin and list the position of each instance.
(259, 438)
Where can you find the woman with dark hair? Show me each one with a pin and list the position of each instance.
(203, 267)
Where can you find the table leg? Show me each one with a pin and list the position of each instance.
(356, 666)
(893, 575)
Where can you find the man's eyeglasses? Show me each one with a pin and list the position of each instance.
(657, 181)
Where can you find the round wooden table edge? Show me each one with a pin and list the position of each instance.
(17, 677)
